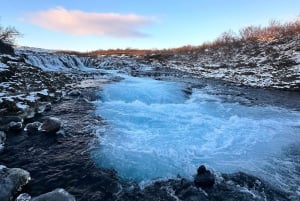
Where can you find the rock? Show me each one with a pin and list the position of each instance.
(191, 193)
(56, 195)
(2, 140)
(44, 108)
(240, 181)
(74, 92)
(8, 119)
(14, 123)
(44, 96)
(11, 181)
(32, 127)
(48, 107)
(15, 126)
(51, 125)
(204, 178)
(61, 132)
(29, 114)
(8, 106)
(23, 197)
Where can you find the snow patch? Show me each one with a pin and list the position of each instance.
(22, 106)
(43, 92)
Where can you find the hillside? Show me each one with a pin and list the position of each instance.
(274, 63)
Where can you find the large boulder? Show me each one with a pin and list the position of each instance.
(56, 195)
(11, 181)
(204, 178)
(51, 125)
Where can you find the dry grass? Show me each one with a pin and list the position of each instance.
(274, 30)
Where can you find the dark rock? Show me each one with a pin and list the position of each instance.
(191, 193)
(14, 123)
(172, 189)
(56, 195)
(15, 126)
(204, 178)
(6, 48)
(2, 140)
(11, 181)
(51, 125)
(261, 189)
(43, 96)
(188, 91)
(8, 107)
(61, 132)
(32, 127)
(48, 107)
(74, 92)
(29, 114)
(44, 108)
(8, 119)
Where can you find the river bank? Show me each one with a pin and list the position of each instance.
(62, 160)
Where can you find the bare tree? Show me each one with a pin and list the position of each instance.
(8, 34)
(7, 39)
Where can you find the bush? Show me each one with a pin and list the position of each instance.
(229, 39)
(7, 39)
(6, 48)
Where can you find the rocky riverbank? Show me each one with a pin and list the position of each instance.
(47, 123)
(62, 160)
(270, 64)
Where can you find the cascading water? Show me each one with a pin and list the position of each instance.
(155, 130)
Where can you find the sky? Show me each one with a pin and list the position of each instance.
(109, 24)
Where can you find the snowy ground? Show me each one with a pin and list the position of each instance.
(274, 64)
(35, 77)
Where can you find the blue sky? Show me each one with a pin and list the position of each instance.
(103, 24)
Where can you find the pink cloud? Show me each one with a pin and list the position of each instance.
(76, 22)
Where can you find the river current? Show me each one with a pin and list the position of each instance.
(155, 129)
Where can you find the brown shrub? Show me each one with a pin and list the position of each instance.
(229, 39)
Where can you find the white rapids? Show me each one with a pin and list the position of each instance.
(154, 130)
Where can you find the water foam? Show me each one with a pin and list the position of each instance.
(155, 130)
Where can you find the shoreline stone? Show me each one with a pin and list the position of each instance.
(55, 195)
(11, 181)
(204, 178)
(2, 140)
(32, 127)
(50, 125)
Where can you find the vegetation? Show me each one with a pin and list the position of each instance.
(7, 39)
(274, 30)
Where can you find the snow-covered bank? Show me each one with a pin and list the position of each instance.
(32, 80)
(274, 64)
(34, 77)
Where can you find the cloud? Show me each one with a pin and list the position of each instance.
(76, 22)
